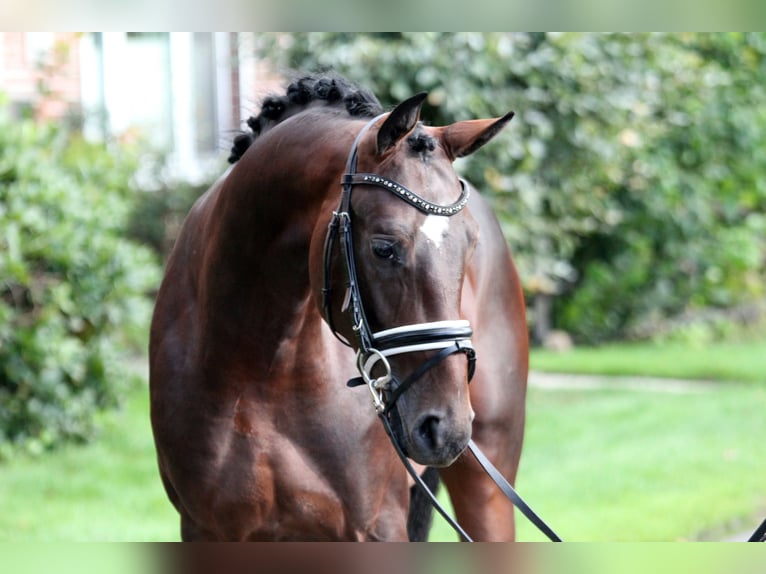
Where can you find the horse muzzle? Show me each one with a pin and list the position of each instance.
(437, 439)
(434, 437)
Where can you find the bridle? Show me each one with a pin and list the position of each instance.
(374, 348)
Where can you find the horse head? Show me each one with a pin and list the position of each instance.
(395, 262)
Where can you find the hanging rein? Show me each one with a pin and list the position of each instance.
(374, 348)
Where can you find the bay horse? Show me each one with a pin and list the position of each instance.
(257, 435)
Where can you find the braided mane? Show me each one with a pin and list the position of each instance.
(309, 91)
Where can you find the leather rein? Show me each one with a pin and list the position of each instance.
(374, 348)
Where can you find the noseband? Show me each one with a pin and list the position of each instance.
(447, 337)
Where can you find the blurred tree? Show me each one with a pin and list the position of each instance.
(628, 184)
(72, 289)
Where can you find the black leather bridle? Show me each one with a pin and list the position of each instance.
(373, 348)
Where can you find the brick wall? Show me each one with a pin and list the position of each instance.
(41, 70)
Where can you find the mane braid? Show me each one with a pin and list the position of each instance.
(331, 91)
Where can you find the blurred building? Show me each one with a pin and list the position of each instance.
(184, 94)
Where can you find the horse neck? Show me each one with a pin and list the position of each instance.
(261, 224)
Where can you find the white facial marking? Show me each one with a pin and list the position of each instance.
(435, 228)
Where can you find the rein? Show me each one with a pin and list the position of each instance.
(447, 337)
(760, 533)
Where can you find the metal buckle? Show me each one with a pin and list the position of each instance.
(376, 385)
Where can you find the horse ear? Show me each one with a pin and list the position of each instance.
(400, 122)
(463, 138)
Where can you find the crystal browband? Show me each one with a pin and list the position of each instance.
(410, 196)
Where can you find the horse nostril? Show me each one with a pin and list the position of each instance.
(430, 432)
(436, 439)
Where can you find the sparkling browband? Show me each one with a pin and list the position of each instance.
(410, 196)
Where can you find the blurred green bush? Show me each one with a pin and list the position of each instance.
(159, 212)
(73, 289)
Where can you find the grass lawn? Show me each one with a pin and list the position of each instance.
(106, 491)
(597, 465)
(643, 466)
(634, 465)
(743, 361)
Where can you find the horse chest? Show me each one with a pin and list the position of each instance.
(287, 475)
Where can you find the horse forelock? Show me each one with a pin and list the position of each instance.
(421, 142)
(330, 91)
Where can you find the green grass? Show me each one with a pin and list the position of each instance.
(643, 466)
(635, 465)
(599, 465)
(106, 491)
(725, 361)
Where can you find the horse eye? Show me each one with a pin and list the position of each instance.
(383, 249)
